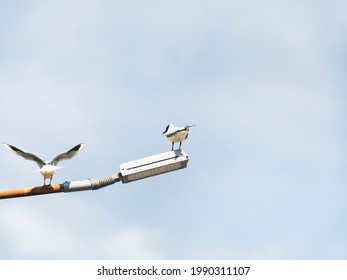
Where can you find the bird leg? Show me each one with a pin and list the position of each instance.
(180, 145)
(50, 181)
(172, 146)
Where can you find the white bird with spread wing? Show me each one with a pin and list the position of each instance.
(47, 168)
(176, 134)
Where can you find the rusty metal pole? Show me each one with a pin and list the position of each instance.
(129, 172)
(83, 185)
(31, 191)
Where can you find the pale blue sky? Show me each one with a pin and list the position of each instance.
(263, 81)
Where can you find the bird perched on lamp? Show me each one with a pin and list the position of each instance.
(47, 168)
(176, 134)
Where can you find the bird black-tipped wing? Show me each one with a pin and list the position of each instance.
(68, 155)
(175, 131)
(25, 155)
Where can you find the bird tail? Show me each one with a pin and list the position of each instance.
(55, 167)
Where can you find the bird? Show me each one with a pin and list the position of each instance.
(47, 168)
(176, 134)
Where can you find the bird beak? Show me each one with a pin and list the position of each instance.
(189, 126)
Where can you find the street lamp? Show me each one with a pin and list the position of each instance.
(129, 172)
(153, 165)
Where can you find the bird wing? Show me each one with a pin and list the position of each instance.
(175, 131)
(68, 155)
(25, 155)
